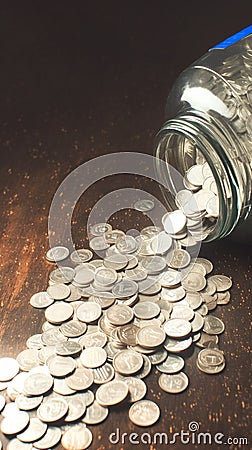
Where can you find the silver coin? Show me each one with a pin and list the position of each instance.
(161, 243)
(172, 364)
(52, 337)
(222, 282)
(146, 368)
(28, 403)
(87, 397)
(62, 275)
(9, 368)
(81, 379)
(95, 414)
(105, 276)
(112, 393)
(34, 341)
(60, 366)
(103, 374)
(171, 278)
(68, 348)
(49, 440)
(99, 229)
(211, 357)
(223, 298)
(158, 357)
(151, 336)
(35, 430)
(78, 437)
(73, 328)
(93, 357)
(207, 339)
(125, 289)
(10, 409)
(194, 282)
(59, 312)
(53, 409)
(137, 388)
(96, 339)
(75, 294)
(153, 264)
(127, 362)
(56, 254)
(82, 255)
(84, 276)
(41, 300)
(58, 291)
(146, 310)
(27, 359)
(127, 334)
(173, 383)
(197, 323)
(60, 386)
(180, 259)
(98, 243)
(127, 244)
(15, 444)
(14, 423)
(206, 263)
(182, 312)
(37, 384)
(177, 345)
(76, 409)
(112, 236)
(202, 310)
(213, 325)
(173, 295)
(116, 261)
(120, 315)
(174, 222)
(104, 299)
(177, 328)
(194, 299)
(144, 413)
(88, 312)
(144, 205)
(136, 274)
(149, 287)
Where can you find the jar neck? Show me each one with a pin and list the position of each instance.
(216, 144)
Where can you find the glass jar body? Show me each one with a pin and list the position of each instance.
(209, 124)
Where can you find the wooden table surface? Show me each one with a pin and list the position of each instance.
(85, 79)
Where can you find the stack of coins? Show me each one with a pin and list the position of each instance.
(108, 321)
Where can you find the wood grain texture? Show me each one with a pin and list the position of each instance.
(78, 81)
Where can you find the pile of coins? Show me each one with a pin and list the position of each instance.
(108, 321)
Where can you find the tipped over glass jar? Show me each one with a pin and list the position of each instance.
(208, 138)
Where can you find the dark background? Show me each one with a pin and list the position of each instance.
(78, 80)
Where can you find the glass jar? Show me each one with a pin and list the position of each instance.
(208, 139)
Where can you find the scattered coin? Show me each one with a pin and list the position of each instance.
(35, 430)
(60, 366)
(88, 312)
(28, 403)
(127, 362)
(213, 325)
(58, 291)
(56, 254)
(52, 410)
(93, 357)
(37, 384)
(49, 440)
(9, 368)
(95, 414)
(172, 364)
(112, 393)
(76, 409)
(81, 379)
(177, 328)
(137, 388)
(78, 437)
(173, 383)
(41, 300)
(14, 423)
(144, 413)
(82, 255)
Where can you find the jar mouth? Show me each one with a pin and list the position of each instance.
(191, 140)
